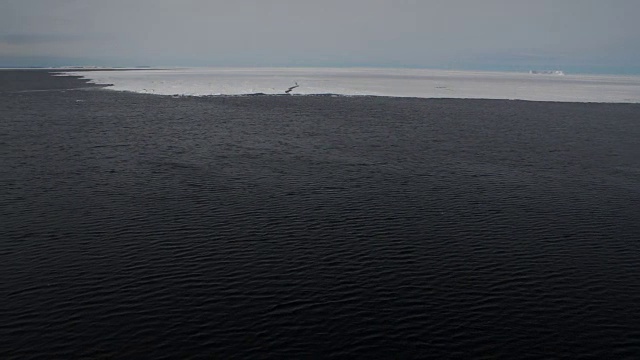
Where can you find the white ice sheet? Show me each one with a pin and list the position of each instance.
(381, 82)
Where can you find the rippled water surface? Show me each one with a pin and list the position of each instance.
(138, 226)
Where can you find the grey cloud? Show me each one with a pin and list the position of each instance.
(329, 32)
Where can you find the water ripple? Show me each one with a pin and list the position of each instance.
(295, 227)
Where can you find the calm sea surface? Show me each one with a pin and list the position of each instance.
(141, 226)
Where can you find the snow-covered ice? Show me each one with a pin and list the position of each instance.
(381, 82)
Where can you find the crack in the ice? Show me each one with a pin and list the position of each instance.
(291, 88)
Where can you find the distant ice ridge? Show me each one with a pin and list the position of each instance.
(378, 82)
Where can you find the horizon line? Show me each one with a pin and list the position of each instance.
(503, 69)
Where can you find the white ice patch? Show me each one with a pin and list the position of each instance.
(380, 82)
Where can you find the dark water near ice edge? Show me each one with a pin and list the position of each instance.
(140, 226)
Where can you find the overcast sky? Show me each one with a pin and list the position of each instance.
(498, 34)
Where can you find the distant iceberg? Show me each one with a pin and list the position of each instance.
(547, 72)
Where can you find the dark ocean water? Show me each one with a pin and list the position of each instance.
(140, 226)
